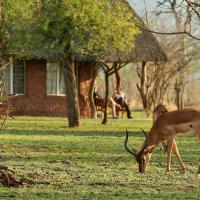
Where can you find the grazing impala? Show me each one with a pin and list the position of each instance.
(166, 127)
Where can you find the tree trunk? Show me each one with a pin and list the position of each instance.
(105, 117)
(180, 26)
(73, 112)
(93, 113)
(142, 89)
(117, 75)
(178, 99)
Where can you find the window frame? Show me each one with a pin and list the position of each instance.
(58, 76)
(11, 81)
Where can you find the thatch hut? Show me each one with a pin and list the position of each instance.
(36, 85)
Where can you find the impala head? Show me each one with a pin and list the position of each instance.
(142, 161)
(158, 111)
(140, 156)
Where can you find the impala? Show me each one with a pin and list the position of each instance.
(165, 128)
(158, 111)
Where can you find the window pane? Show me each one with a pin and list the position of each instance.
(55, 79)
(61, 82)
(18, 77)
(6, 78)
(51, 81)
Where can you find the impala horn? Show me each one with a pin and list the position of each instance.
(145, 142)
(144, 133)
(133, 152)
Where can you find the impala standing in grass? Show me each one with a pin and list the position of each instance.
(165, 128)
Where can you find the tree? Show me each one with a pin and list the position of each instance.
(94, 74)
(183, 21)
(190, 14)
(108, 71)
(186, 15)
(156, 79)
(154, 82)
(3, 39)
(70, 27)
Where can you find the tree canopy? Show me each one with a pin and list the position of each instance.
(69, 26)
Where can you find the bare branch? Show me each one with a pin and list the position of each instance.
(167, 33)
(193, 8)
(194, 3)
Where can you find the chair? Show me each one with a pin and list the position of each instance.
(99, 103)
(121, 110)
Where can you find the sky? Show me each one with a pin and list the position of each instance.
(151, 6)
(139, 5)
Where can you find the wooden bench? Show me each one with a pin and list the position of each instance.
(99, 103)
(121, 110)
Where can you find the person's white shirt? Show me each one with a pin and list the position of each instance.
(119, 95)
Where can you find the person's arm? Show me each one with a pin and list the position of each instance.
(125, 98)
(96, 95)
(114, 95)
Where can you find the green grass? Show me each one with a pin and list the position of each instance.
(90, 162)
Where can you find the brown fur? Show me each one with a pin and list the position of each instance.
(166, 127)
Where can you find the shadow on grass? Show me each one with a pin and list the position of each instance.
(71, 133)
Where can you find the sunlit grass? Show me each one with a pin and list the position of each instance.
(90, 162)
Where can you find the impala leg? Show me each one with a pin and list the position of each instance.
(198, 135)
(176, 152)
(169, 153)
(164, 145)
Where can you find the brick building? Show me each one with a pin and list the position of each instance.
(36, 87)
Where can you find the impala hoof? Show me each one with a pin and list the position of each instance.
(167, 172)
(182, 171)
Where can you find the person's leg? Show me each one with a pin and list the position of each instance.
(119, 101)
(127, 110)
(113, 105)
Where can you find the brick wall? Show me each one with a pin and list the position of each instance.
(36, 102)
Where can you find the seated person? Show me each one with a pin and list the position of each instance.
(119, 98)
(111, 101)
(95, 93)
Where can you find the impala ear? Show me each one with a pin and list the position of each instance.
(149, 149)
(165, 108)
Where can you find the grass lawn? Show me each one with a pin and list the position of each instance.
(90, 162)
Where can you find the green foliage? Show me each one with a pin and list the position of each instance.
(69, 26)
(15, 18)
(90, 162)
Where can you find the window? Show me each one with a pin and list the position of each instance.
(55, 79)
(14, 78)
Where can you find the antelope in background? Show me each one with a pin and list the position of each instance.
(157, 112)
(165, 128)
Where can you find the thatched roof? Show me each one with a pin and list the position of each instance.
(147, 47)
(54, 55)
